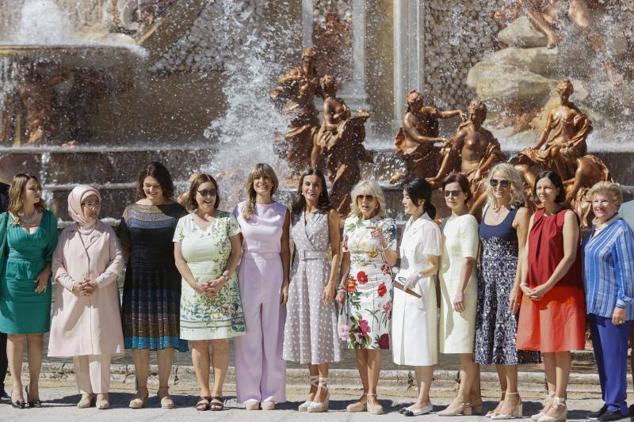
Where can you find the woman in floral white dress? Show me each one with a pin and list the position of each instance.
(368, 252)
(207, 253)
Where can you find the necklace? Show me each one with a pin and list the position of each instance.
(28, 220)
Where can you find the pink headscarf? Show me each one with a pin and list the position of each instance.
(75, 198)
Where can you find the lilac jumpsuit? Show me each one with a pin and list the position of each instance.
(260, 369)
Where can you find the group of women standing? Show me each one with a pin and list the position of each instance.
(270, 277)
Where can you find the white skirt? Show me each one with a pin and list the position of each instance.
(415, 326)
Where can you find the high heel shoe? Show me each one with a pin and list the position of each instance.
(516, 412)
(499, 405)
(320, 406)
(18, 404)
(139, 401)
(464, 409)
(314, 381)
(557, 411)
(34, 402)
(548, 401)
(374, 409)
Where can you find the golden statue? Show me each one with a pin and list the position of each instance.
(294, 94)
(340, 140)
(562, 148)
(473, 151)
(415, 140)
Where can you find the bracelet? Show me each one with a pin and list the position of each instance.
(225, 276)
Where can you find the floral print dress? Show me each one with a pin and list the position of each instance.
(369, 284)
(207, 252)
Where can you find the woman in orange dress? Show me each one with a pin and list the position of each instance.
(552, 312)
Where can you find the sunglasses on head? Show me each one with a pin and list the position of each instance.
(207, 192)
(503, 183)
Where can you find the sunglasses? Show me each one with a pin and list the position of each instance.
(503, 183)
(207, 192)
(362, 197)
(453, 193)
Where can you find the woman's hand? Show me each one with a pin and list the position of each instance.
(515, 298)
(378, 235)
(41, 283)
(538, 292)
(329, 293)
(341, 297)
(618, 316)
(284, 293)
(458, 302)
(214, 286)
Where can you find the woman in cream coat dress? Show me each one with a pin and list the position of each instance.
(414, 316)
(86, 322)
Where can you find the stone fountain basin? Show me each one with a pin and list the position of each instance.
(117, 60)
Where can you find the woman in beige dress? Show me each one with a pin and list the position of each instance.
(86, 322)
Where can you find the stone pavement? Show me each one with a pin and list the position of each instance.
(60, 398)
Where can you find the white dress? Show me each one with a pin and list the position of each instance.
(414, 320)
(457, 329)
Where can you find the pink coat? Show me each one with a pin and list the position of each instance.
(86, 325)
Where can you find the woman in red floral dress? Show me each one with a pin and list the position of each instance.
(369, 251)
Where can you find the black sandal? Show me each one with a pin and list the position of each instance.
(217, 403)
(32, 403)
(203, 404)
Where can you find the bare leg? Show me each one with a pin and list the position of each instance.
(461, 404)
(549, 369)
(562, 370)
(362, 366)
(15, 349)
(141, 359)
(501, 370)
(511, 397)
(200, 360)
(313, 370)
(322, 391)
(424, 376)
(220, 362)
(165, 359)
(475, 395)
(374, 369)
(35, 342)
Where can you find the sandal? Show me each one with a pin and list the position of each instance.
(166, 400)
(34, 402)
(203, 404)
(217, 403)
(139, 401)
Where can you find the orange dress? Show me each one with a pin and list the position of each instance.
(557, 322)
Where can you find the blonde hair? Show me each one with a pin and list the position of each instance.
(367, 187)
(510, 173)
(16, 192)
(606, 187)
(260, 170)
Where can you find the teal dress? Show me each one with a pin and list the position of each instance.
(24, 255)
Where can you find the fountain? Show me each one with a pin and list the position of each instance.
(197, 98)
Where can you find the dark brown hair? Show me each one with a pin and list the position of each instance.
(420, 190)
(161, 174)
(323, 203)
(193, 189)
(16, 192)
(460, 179)
(555, 179)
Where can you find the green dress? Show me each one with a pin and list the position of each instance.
(22, 310)
(207, 254)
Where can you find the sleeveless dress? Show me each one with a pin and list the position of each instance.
(152, 287)
(22, 310)
(457, 329)
(496, 325)
(310, 334)
(556, 323)
(415, 320)
(207, 253)
(369, 283)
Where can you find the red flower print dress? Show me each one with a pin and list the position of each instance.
(369, 282)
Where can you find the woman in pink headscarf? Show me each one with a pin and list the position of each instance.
(86, 324)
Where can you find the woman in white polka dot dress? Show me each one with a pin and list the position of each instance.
(310, 334)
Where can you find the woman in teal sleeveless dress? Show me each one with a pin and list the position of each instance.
(28, 236)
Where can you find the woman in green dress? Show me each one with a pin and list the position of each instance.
(28, 236)
(207, 253)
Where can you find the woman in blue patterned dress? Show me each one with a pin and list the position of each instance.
(368, 252)
(152, 287)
